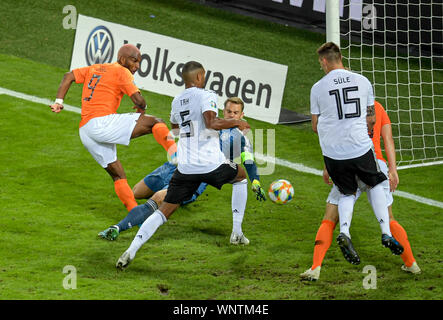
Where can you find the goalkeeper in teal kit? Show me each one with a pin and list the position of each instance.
(154, 186)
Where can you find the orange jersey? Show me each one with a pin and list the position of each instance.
(381, 120)
(103, 88)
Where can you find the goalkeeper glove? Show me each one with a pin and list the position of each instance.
(258, 190)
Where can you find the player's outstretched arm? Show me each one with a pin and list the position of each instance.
(386, 133)
(213, 122)
(251, 169)
(65, 84)
(247, 159)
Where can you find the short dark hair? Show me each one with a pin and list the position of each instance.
(330, 51)
(191, 66)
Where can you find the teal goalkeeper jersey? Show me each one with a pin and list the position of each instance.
(235, 145)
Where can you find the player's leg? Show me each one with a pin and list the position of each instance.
(236, 175)
(181, 188)
(154, 184)
(399, 233)
(238, 206)
(238, 201)
(323, 239)
(106, 155)
(241, 174)
(141, 190)
(146, 231)
(154, 181)
(147, 124)
(343, 175)
(135, 217)
(368, 170)
(121, 186)
(100, 136)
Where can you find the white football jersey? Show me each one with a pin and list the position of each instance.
(340, 99)
(198, 148)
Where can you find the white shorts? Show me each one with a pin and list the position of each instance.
(101, 135)
(334, 195)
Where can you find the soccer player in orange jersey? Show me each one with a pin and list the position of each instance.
(101, 128)
(379, 126)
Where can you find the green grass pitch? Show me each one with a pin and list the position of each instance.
(54, 198)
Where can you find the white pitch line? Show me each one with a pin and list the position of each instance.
(295, 166)
(426, 164)
(303, 168)
(35, 99)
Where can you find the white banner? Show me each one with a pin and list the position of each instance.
(259, 83)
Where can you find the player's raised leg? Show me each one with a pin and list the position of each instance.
(149, 124)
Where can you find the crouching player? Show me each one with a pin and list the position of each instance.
(323, 240)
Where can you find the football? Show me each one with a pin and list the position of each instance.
(281, 191)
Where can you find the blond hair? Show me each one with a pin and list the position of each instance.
(235, 100)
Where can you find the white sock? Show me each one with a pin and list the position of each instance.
(377, 199)
(146, 231)
(239, 198)
(345, 210)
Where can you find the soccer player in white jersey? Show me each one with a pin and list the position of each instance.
(340, 103)
(194, 113)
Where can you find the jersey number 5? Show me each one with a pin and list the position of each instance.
(346, 100)
(94, 76)
(186, 123)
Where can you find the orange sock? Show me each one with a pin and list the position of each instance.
(323, 241)
(164, 138)
(401, 236)
(125, 194)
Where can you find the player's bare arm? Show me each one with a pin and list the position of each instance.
(314, 122)
(386, 133)
(370, 111)
(213, 122)
(371, 119)
(139, 101)
(65, 84)
(326, 177)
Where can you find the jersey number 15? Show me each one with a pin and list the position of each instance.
(346, 100)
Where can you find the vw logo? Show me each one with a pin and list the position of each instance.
(100, 46)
